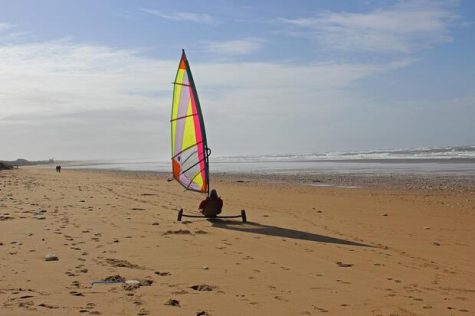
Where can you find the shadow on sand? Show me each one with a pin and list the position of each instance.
(268, 230)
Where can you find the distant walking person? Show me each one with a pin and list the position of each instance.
(58, 169)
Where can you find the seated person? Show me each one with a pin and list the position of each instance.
(212, 205)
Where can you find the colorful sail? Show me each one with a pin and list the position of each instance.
(189, 148)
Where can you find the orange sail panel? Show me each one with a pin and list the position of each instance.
(189, 147)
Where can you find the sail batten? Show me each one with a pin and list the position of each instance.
(189, 146)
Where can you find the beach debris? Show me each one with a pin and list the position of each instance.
(436, 243)
(137, 209)
(173, 302)
(203, 287)
(135, 284)
(131, 285)
(155, 223)
(385, 214)
(132, 282)
(205, 268)
(146, 282)
(426, 227)
(202, 313)
(51, 257)
(344, 265)
(113, 279)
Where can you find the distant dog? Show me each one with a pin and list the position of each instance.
(58, 169)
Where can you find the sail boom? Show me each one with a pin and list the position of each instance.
(182, 117)
(182, 84)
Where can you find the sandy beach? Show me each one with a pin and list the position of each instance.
(404, 248)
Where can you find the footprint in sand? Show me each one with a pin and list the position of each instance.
(122, 263)
(48, 306)
(323, 310)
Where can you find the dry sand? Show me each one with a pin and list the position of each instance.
(307, 250)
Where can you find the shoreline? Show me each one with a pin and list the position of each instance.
(437, 182)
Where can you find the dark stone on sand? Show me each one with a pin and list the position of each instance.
(172, 302)
(51, 257)
(202, 313)
(344, 265)
(436, 243)
(48, 306)
(155, 223)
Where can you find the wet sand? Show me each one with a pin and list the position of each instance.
(386, 247)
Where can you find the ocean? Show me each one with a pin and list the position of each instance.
(456, 160)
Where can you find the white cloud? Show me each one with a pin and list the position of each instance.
(5, 26)
(74, 100)
(62, 76)
(234, 47)
(184, 16)
(401, 28)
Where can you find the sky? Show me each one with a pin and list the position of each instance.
(93, 79)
